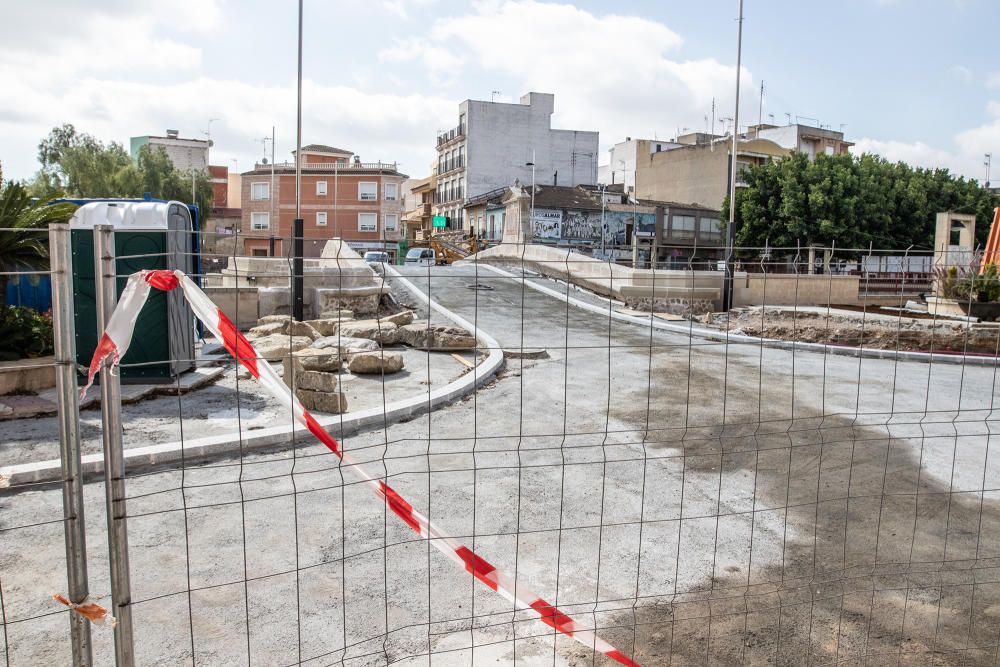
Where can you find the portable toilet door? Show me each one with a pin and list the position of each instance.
(148, 235)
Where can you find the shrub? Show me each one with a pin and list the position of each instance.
(24, 333)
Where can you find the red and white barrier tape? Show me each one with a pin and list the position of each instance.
(91, 611)
(115, 341)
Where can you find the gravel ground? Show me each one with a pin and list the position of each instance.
(702, 503)
(840, 327)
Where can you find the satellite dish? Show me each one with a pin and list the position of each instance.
(264, 161)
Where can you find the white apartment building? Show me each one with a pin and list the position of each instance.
(185, 154)
(494, 144)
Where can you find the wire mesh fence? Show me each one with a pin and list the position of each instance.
(805, 479)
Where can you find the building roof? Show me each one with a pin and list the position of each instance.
(564, 196)
(323, 148)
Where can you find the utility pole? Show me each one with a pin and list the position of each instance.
(760, 108)
(727, 296)
(298, 228)
(988, 159)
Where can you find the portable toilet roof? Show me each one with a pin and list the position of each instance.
(137, 215)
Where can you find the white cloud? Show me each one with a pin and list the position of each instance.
(609, 72)
(962, 73)
(966, 158)
(993, 81)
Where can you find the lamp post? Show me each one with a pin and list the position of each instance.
(532, 165)
(727, 293)
(298, 228)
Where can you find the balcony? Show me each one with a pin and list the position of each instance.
(451, 135)
(445, 166)
(329, 167)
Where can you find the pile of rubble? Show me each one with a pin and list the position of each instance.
(313, 352)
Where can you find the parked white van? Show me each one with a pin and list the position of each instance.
(421, 257)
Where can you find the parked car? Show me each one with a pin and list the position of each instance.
(421, 257)
(377, 257)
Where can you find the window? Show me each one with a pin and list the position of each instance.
(321, 218)
(258, 252)
(320, 188)
(259, 191)
(829, 150)
(391, 221)
(683, 226)
(260, 221)
(391, 191)
(709, 229)
(367, 222)
(367, 191)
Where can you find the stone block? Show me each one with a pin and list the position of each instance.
(381, 332)
(345, 344)
(322, 401)
(400, 319)
(375, 362)
(315, 380)
(435, 337)
(276, 346)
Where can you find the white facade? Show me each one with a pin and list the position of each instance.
(185, 154)
(494, 142)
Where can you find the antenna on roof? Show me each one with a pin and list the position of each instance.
(788, 117)
(494, 93)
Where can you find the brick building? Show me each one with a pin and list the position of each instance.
(342, 197)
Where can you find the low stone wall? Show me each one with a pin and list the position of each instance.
(785, 289)
(27, 375)
(240, 304)
(674, 305)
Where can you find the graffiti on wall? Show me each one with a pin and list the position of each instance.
(547, 224)
(586, 225)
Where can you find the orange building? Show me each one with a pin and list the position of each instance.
(342, 197)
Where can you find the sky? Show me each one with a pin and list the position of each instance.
(912, 80)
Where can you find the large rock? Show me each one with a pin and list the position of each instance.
(269, 319)
(327, 360)
(327, 324)
(345, 344)
(323, 401)
(266, 329)
(381, 332)
(435, 337)
(315, 381)
(276, 346)
(400, 319)
(286, 327)
(375, 362)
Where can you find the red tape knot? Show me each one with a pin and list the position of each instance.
(162, 279)
(476, 566)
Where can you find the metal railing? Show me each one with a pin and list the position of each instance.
(330, 167)
(450, 135)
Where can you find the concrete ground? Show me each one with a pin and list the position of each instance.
(216, 410)
(702, 503)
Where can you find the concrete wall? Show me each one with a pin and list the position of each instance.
(239, 304)
(692, 175)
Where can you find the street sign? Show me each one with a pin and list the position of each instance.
(440, 221)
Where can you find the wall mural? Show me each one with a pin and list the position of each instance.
(553, 225)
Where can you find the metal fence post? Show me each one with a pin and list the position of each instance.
(74, 526)
(106, 293)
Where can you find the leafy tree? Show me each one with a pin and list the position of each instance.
(23, 230)
(82, 166)
(852, 201)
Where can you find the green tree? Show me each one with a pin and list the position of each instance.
(23, 230)
(82, 166)
(852, 201)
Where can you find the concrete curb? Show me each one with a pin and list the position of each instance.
(741, 339)
(339, 425)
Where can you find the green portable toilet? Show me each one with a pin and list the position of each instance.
(148, 235)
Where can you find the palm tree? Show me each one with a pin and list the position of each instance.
(23, 231)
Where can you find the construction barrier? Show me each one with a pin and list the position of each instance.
(115, 342)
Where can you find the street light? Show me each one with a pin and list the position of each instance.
(532, 165)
